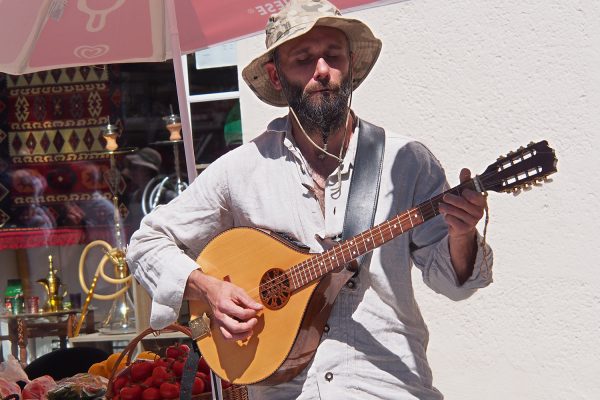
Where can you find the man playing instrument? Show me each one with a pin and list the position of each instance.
(294, 179)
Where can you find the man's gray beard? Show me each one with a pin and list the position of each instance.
(324, 116)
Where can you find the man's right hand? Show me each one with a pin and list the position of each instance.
(234, 310)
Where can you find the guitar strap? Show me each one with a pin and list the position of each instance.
(364, 184)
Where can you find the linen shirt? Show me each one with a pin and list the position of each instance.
(375, 344)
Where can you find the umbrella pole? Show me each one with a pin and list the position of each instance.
(184, 111)
(182, 93)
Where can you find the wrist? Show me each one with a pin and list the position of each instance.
(463, 252)
(464, 239)
(196, 286)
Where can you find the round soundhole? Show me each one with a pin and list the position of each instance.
(275, 288)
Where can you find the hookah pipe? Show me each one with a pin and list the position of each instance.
(155, 189)
(116, 255)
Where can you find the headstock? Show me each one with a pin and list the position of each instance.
(528, 166)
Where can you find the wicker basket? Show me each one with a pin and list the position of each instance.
(234, 392)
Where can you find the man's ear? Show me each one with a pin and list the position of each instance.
(273, 75)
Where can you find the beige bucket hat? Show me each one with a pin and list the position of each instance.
(294, 20)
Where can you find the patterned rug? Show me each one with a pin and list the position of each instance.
(53, 175)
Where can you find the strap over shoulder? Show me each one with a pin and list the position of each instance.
(366, 178)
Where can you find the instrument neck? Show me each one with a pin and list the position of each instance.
(315, 267)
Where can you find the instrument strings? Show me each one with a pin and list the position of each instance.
(385, 228)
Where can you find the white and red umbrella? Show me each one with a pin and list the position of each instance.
(37, 35)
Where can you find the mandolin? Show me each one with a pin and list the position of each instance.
(298, 289)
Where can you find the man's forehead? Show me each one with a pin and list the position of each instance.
(322, 35)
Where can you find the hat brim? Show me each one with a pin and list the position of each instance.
(365, 49)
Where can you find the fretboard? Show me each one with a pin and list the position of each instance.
(315, 267)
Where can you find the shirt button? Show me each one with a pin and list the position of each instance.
(328, 376)
(351, 284)
(326, 328)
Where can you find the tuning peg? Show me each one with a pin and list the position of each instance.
(548, 180)
(531, 143)
(527, 187)
(521, 148)
(538, 182)
(516, 191)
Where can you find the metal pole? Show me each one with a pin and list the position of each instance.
(182, 92)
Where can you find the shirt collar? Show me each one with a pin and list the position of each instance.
(283, 125)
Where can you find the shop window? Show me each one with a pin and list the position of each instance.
(48, 139)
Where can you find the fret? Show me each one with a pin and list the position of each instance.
(332, 260)
(303, 271)
(358, 239)
(366, 241)
(292, 278)
(354, 253)
(355, 242)
(426, 211)
(369, 245)
(389, 228)
(321, 264)
(418, 216)
(343, 253)
(398, 224)
(381, 234)
(337, 260)
(316, 269)
(434, 208)
(312, 264)
(402, 220)
(299, 277)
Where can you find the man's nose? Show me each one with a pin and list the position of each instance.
(322, 70)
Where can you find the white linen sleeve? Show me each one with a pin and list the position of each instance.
(438, 272)
(429, 242)
(162, 252)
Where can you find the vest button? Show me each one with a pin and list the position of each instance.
(328, 376)
(351, 284)
(326, 328)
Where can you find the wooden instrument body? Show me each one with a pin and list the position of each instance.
(285, 339)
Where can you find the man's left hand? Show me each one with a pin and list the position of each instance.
(462, 213)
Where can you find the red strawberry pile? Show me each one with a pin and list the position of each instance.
(161, 378)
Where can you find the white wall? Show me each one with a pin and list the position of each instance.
(474, 80)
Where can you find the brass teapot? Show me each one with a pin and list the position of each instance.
(52, 285)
